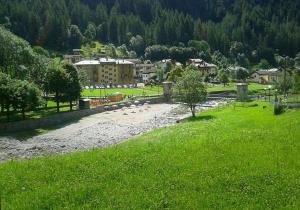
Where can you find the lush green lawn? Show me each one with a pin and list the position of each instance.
(37, 114)
(230, 158)
(155, 90)
(232, 86)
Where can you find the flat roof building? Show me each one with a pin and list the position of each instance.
(108, 71)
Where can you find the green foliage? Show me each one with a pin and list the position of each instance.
(5, 91)
(175, 74)
(200, 46)
(160, 75)
(75, 36)
(92, 49)
(220, 60)
(242, 74)
(262, 27)
(26, 96)
(190, 89)
(18, 94)
(279, 109)
(223, 78)
(64, 82)
(57, 83)
(286, 65)
(297, 59)
(156, 52)
(296, 82)
(137, 44)
(16, 55)
(73, 90)
(90, 32)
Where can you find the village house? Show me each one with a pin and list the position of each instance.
(144, 72)
(148, 73)
(141, 69)
(204, 67)
(75, 58)
(266, 76)
(108, 71)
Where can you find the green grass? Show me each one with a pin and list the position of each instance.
(37, 114)
(232, 87)
(155, 90)
(236, 157)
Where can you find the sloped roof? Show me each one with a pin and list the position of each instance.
(273, 71)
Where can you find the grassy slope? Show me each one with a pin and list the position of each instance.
(230, 158)
(232, 86)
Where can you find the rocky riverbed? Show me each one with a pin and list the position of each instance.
(98, 130)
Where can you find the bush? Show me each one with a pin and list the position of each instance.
(279, 109)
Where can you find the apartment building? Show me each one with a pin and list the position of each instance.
(108, 71)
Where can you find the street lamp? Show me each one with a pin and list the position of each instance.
(276, 98)
(270, 86)
(100, 91)
(265, 94)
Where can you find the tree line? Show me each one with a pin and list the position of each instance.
(264, 27)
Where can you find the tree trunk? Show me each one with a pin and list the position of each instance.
(284, 82)
(193, 111)
(23, 113)
(71, 106)
(46, 104)
(57, 106)
(2, 107)
(57, 102)
(7, 113)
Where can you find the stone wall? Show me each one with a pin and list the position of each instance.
(59, 119)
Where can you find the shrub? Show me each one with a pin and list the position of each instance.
(279, 109)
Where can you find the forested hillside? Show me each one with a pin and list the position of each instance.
(263, 27)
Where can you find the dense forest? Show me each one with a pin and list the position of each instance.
(258, 29)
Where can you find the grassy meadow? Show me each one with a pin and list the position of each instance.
(236, 157)
(232, 87)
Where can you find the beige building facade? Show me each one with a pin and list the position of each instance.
(108, 71)
(266, 76)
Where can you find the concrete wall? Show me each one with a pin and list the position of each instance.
(61, 118)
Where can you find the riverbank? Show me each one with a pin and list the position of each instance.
(96, 131)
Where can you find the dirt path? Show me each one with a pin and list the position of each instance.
(96, 131)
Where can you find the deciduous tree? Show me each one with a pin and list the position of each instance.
(190, 90)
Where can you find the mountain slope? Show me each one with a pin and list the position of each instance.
(65, 24)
